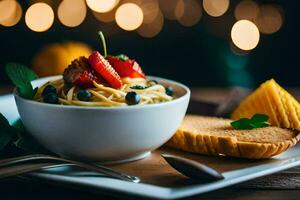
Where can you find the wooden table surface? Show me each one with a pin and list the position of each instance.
(282, 185)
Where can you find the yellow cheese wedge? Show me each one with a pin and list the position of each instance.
(271, 99)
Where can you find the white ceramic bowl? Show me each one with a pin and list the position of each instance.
(114, 134)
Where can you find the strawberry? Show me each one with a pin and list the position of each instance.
(104, 69)
(126, 67)
(79, 73)
(86, 78)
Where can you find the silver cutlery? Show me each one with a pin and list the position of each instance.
(24, 164)
(9, 163)
(193, 169)
(14, 170)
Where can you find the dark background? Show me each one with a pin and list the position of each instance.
(198, 56)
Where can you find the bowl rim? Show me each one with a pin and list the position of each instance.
(132, 107)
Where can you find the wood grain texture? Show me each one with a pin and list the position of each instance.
(248, 194)
(6, 90)
(11, 189)
(285, 180)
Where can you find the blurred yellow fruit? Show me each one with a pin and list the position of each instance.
(54, 58)
(271, 99)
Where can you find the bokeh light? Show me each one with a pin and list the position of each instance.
(49, 2)
(71, 12)
(215, 8)
(245, 34)
(238, 51)
(168, 8)
(269, 19)
(102, 6)
(246, 9)
(39, 17)
(129, 16)
(188, 12)
(150, 9)
(10, 12)
(149, 30)
(105, 17)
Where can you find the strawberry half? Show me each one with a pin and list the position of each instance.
(79, 73)
(126, 67)
(85, 79)
(104, 69)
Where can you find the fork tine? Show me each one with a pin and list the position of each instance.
(19, 159)
(6, 172)
(90, 166)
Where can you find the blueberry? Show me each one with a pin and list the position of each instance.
(169, 90)
(49, 89)
(51, 98)
(84, 95)
(132, 98)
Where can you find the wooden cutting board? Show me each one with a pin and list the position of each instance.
(155, 170)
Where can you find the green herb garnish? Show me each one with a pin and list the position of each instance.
(256, 121)
(138, 87)
(15, 137)
(122, 57)
(7, 133)
(21, 77)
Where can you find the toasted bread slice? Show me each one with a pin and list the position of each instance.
(215, 136)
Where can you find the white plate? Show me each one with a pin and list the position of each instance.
(284, 161)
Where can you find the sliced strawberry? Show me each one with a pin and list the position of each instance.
(78, 73)
(104, 69)
(85, 79)
(126, 67)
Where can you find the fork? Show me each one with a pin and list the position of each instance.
(10, 162)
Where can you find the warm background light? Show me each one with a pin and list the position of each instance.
(245, 34)
(246, 9)
(10, 12)
(53, 58)
(188, 12)
(39, 17)
(71, 12)
(269, 19)
(215, 8)
(129, 16)
(149, 30)
(105, 17)
(102, 6)
(150, 9)
(168, 8)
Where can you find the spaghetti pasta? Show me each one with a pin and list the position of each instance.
(106, 96)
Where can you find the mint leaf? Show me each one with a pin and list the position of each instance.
(261, 125)
(256, 121)
(138, 87)
(259, 118)
(25, 141)
(7, 133)
(21, 77)
(15, 137)
(242, 124)
(29, 144)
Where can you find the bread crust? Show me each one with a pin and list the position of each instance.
(197, 141)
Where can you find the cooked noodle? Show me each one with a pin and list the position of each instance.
(107, 96)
